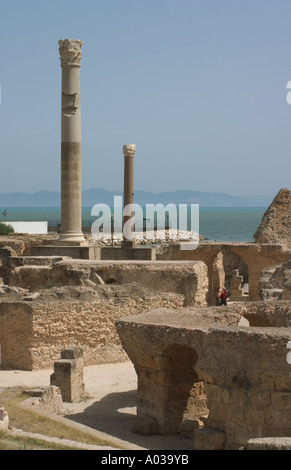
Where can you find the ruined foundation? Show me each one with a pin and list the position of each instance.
(244, 386)
(79, 302)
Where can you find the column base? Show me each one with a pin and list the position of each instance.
(75, 252)
(74, 239)
(121, 253)
(129, 244)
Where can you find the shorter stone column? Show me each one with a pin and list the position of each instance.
(68, 374)
(128, 188)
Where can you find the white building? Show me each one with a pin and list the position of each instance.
(33, 227)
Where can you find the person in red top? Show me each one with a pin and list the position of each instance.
(223, 296)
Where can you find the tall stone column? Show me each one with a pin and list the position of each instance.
(128, 187)
(71, 172)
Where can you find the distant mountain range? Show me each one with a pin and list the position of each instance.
(99, 195)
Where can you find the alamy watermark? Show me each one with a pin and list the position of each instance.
(181, 218)
(288, 97)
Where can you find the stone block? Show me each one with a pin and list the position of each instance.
(273, 430)
(283, 384)
(281, 400)
(71, 352)
(75, 252)
(121, 253)
(217, 393)
(235, 413)
(31, 297)
(147, 426)
(188, 427)
(269, 443)
(244, 432)
(253, 417)
(68, 374)
(209, 439)
(48, 399)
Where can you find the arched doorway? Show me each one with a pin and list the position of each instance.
(228, 270)
(184, 396)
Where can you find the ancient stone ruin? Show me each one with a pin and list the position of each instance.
(233, 382)
(220, 375)
(276, 222)
(68, 374)
(217, 374)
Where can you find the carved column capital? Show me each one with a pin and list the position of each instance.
(70, 51)
(129, 150)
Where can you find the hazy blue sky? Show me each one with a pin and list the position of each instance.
(198, 85)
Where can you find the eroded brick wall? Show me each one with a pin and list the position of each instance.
(16, 334)
(33, 334)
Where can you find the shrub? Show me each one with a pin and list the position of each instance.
(6, 229)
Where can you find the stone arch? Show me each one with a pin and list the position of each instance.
(221, 273)
(183, 392)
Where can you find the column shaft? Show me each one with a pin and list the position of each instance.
(71, 166)
(128, 187)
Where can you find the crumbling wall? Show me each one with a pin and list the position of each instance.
(265, 313)
(247, 382)
(188, 278)
(21, 243)
(16, 335)
(275, 282)
(276, 221)
(32, 333)
(5, 267)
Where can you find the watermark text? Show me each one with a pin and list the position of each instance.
(133, 219)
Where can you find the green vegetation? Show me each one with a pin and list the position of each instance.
(5, 229)
(30, 421)
(9, 442)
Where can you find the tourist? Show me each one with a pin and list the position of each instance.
(223, 297)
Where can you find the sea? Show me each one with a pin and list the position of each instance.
(221, 224)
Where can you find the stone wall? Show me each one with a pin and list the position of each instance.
(77, 303)
(254, 258)
(21, 243)
(187, 278)
(16, 335)
(219, 258)
(265, 313)
(275, 282)
(33, 333)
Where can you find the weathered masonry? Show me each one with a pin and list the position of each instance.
(82, 308)
(256, 257)
(202, 365)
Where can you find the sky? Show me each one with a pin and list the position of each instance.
(199, 86)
